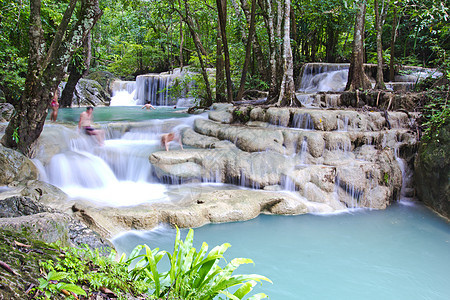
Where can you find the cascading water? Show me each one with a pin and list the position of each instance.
(123, 93)
(324, 78)
(153, 88)
(117, 174)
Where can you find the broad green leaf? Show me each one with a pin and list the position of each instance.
(74, 288)
(244, 289)
(56, 275)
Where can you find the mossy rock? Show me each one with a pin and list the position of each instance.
(24, 261)
(432, 171)
(104, 78)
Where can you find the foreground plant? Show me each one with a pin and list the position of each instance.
(84, 271)
(192, 274)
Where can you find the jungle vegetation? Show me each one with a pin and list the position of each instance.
(251, 45)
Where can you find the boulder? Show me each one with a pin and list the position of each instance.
(192, 211)
(104, 78)
(16, 167)
(432, 171)
(46, 227)
(90, 93)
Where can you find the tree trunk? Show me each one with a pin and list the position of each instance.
(181, 46)
(261, 61)
(332, 40)
(201, 52)
(268, 18)
(45, 73)
(220, 69)
(247, 52)
(286, 96)
(222, 11)
(76, 71)
(393, 38)
(379, 20)
(357, 78)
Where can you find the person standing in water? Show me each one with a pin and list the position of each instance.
(148, 106)
(54, 106)
(85, 124)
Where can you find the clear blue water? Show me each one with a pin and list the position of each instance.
(120, 114)
(402, 252)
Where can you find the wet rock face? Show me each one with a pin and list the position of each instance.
(432, 172)
(23, 210)
(335, 158)
(15, 167)
(192, 211)
(90, 93)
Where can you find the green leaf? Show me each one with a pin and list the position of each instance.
(56, 275)
(245, 289)
(74, 288)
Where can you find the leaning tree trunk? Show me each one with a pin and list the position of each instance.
(357, 78)
(77, 69)
(45, 71)
(201, 52)
(379, 20)
(261, 61)
(248, 50)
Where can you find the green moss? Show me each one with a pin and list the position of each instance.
(23, 261)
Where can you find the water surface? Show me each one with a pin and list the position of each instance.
(402, 252)
(121, 113)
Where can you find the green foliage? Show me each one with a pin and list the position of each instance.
(52, 285)
(87, 267)
(77, 62)
(386, 178)
(15, 135)
(436, 113)
(241, 116)
(192, 274)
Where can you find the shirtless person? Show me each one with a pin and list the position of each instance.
(167, 138)
(148, 106)
(85, 124)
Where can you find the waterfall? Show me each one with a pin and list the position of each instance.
(154, 88)
(303, 121)
(117, 174)
(123, 93)
(319, 77)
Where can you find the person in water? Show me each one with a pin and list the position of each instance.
(54, 106)
(85, 124)
(168, 137)
(148, 106)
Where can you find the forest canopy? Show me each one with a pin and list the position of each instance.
(139, 36)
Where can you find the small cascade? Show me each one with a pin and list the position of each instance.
(407, 190)
(303, 121)
(123, 93)
(154, 88)
(303, 151)
(343, 123)
(319, 77)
